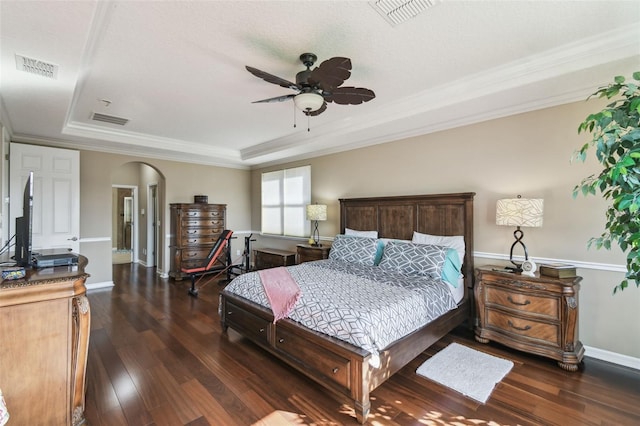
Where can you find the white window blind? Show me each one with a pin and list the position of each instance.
(285, 195)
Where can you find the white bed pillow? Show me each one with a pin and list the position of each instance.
(455, 242)
(366, 234)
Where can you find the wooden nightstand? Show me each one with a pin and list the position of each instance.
(533, 314)
(307, 253)
(271, 258)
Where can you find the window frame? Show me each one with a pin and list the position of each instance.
(285, 202)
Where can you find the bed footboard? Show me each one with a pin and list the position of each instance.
(334, 364)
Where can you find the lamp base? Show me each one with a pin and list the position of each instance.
(314, 241)
(518, 234)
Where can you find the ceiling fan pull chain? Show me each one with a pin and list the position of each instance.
(294, 116)
(308, 123)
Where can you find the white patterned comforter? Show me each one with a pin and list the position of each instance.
(363, 305)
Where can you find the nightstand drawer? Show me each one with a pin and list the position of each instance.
(527, 328)
(523, 302)
(307, 253)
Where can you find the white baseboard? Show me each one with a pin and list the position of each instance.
(97, 286)
(613, 357)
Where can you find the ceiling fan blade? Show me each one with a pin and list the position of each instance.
(331, 73)
(318, 111)
(350, 95)
(270, 78)
(276, 99)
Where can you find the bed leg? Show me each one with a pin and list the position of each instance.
(362, 411)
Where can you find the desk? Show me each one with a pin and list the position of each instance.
(44, 330)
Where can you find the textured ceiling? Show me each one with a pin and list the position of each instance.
(175, 70)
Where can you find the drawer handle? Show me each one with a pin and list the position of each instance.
(526, 302)
(525, 328)
(229, 312)
(192, 254)
(193, 231)
(262, 330)
(281, 340)
(335, 370)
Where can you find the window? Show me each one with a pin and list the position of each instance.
(285, 195)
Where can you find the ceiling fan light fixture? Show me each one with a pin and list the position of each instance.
(308, 102)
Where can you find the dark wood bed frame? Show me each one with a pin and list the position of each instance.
(340, 366)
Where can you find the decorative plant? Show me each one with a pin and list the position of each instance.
(615, 133)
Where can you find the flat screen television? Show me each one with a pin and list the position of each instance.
(23, 250)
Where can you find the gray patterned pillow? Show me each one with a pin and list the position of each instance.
(414, 259)
(354, 249)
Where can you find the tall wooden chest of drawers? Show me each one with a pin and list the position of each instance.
(534, 314)
(195, 228)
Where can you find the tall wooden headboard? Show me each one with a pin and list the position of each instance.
(398, 216)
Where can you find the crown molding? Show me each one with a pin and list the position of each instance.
(616, 45)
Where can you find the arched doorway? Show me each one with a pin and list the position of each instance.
(140, 186)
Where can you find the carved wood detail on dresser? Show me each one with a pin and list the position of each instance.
(45, 323)
(534, 314)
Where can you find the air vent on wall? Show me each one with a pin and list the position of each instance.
(36, 66)
(397, 11)
(109, 119)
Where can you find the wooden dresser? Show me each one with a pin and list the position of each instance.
(194, 230)
(533, 314)
(307, 253)
(44, 340)
(271, 258)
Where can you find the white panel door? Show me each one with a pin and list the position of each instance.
(56, 193)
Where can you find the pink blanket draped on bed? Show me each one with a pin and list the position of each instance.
(281, 290)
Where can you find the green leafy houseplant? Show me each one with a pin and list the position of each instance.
(615, 133)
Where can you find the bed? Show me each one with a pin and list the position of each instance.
(342, 367)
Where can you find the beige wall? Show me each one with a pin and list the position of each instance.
(181, 182)
(527, 154)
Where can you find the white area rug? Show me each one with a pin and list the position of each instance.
(470, 372)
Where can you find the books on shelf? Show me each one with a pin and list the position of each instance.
(558, 270)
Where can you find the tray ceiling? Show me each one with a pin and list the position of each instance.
(168, 79)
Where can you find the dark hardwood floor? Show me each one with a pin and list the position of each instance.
(158, 357)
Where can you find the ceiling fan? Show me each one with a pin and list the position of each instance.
(315, 87)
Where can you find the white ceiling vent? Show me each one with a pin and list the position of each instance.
(397, 11)
(109, 119)
(36, 66)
